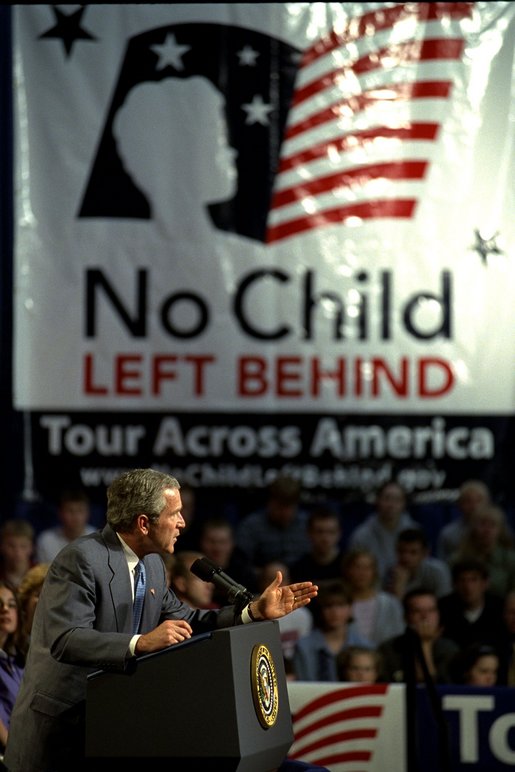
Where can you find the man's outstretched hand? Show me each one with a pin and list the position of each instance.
(277, 601)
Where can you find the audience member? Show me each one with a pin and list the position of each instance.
(416, 568)
(73, 513)
(470, 613)
(11, 659)
(380, 530)
(476, 665)
(217, 542)
(84, 617)
(359, 664)
(506, 646)
(378, 615)
(28, 596)
(401, 656)
(488, 539)
(323, 560)
(472, 495)
(293, 626)
(16, 550)
(333, 630)
(186, 585)
(277, 531)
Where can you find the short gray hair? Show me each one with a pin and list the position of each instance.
(136, 492)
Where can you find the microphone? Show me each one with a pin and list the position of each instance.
(210, 572)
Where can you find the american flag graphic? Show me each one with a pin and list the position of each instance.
(366, 111)
(338, 730)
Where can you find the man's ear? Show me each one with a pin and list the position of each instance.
(142, 524)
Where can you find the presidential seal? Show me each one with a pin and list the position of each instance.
(264, 686)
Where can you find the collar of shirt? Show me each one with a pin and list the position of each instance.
(131, 558)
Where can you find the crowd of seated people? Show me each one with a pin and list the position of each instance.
(394, 601)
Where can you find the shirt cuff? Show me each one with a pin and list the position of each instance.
(132, 645)
(245, 616)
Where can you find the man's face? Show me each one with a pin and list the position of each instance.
(73, 516)
(471, 499)
(164, 533)
(217, 544)
(390, 504)
(423, 616)
(281, 513)
(324, 534)
(410, 554)
(471, 588)
(16, 550)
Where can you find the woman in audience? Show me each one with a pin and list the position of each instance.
(11, 659)
(358, 664)
(315, 653)
(477, 665)
(378, 615)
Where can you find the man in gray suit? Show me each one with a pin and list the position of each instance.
(84, 618)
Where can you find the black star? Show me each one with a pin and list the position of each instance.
(485, 247)
(67, 28)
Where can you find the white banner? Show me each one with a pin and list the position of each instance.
(259, 207)
(346, 727)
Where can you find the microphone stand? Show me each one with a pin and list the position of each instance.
(413, 653)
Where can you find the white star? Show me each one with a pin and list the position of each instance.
(170, 53)
(247, 56)
(257, 111)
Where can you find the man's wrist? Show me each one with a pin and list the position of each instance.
(252, 614)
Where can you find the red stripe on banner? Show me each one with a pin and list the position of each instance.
(339, 737)
(385, 59)
(366, 210)
(439, 89)
(398, 54)
(411, 131)
(385, 18)
(390, 170)
(366, 711)
(341, 694)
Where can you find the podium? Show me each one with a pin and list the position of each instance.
(216, 702)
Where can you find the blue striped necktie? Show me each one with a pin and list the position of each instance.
(139, 595)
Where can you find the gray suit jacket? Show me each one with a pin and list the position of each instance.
(83, 623)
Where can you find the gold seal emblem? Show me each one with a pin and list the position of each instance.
(264, 686)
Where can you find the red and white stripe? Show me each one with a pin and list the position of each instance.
(368, 104)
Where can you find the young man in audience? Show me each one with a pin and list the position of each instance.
(16, 550)
(380, 530)
(277, 531)
(416, 568)
(470, 613)
(324, 558)
(401, 657)
(217, 543)
(73, 514)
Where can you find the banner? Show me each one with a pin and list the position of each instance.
(346, 727)
(267, 235)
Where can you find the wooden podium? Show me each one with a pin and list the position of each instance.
(216, 702)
